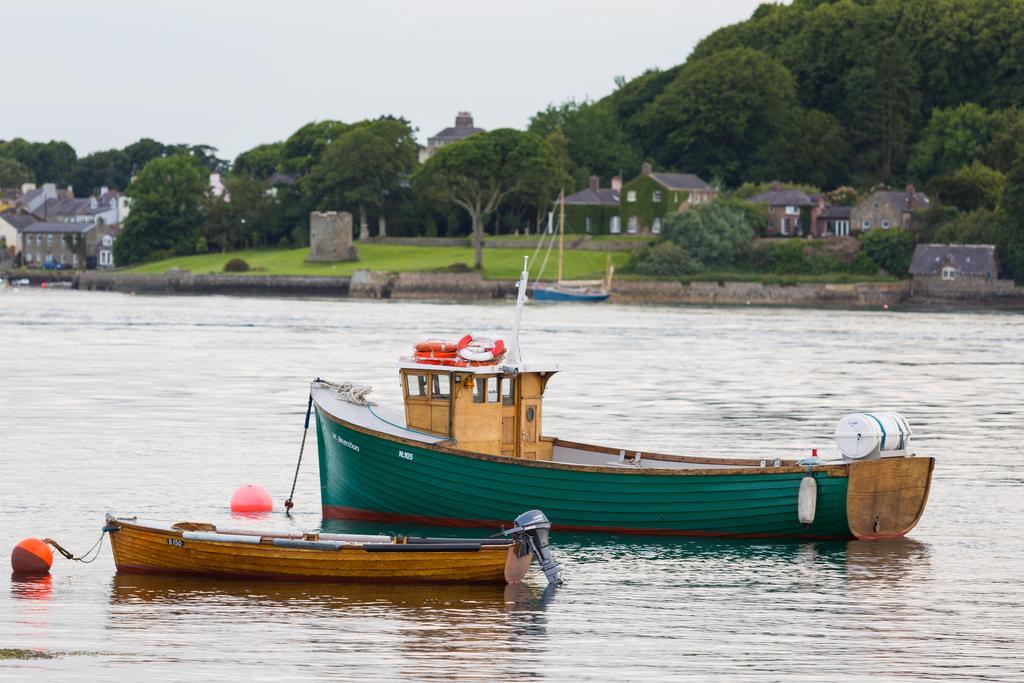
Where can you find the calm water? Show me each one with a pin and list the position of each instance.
(163, 406)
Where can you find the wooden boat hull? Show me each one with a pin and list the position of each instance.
(142, 550)
(368, 475)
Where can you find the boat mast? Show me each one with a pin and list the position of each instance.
(513, 348)
(561, 230)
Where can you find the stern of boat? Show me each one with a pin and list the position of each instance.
(886, 497)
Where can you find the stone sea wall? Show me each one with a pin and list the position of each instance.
(445, 286)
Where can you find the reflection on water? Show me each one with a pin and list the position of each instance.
(162, 407)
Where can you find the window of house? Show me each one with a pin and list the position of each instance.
(631, 196)
(28, 256)
(785, 226)
(74, 260)
(675, 197)
(439, 386)
(49, 240)
(508, 391)
(885, 224)
(656, 226)
(614, 225)
(656, 197)
(63, 239)
(74, 240)
(590, 224)
(949, 273)
(865, 225)
(39, 240)
(416, 385)
(62, 258)
(793, 210)
(634, 225)
(107, 240)
(876, 205)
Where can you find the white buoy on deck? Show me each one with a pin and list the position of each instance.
(807, 500)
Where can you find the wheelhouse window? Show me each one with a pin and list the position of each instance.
(440, 387)
(508, 391)
(485, 389)
(416, 386)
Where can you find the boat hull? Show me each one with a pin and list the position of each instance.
(546, 294)
(368, 475)
(142, 550)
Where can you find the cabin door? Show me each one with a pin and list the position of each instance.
(529, 418)
(508, 416)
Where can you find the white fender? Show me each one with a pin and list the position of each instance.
(807, 500)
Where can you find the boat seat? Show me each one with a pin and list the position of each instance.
(193, 526)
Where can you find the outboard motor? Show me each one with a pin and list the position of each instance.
(532, 527)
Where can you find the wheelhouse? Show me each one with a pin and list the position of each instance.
(490, 409)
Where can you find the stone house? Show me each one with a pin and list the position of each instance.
(885, 209)
(594, 210)
(791, 213)
(72, 244)
(652, 195)
(462, 129)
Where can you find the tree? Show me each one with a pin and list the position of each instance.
(970, 187)
(248, 220)
(890, 249)
(953, 138)
(662, 259)
(716, 234)
(260, 162)
(1011, 207)
(883, 105)
(810, 148)
(364, 166)
(167, 198)
(50, 162)
(303, 148)
(595, 142)
(719, 112)
(478, 173)
(110, 168)
(13, 173)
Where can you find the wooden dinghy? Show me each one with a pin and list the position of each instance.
(469, 449)
(198, 548)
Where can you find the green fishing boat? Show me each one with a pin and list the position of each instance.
(469, 450)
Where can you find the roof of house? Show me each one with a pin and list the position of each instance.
(836, 212)
(30, 195)
(900, 199)
(782, 197)
(281, 179)
(51, 227)
(969, 259)
(603, 196)
(18, 221)
(681, 181)
(454, 133)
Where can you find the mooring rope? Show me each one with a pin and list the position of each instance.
(97, 546)
(288, 504)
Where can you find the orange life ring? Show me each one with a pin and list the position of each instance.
(481, 348)
(438, 346)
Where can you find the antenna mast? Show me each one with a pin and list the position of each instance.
(514, 358)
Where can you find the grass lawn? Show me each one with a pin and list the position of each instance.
(499, 264)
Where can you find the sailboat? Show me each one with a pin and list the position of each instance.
(573, 290)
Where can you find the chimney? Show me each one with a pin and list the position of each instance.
(463, 120)
(616, 183)
(911, 194)
(594, 183)
(645, 168)
(776, 186)
(103, 190)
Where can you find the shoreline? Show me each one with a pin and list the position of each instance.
(471, 287)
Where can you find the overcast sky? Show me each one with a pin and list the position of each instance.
(236, 73)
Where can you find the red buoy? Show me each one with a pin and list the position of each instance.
(251, 498)
(31, 556)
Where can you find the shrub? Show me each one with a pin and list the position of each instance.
(236, 265)
(662, 259)
(715, 234)
(890, 249)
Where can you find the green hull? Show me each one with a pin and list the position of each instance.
(368, 476)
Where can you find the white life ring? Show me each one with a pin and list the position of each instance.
(480, 348)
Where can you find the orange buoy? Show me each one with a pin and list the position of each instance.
(31, 556)
(251, 498)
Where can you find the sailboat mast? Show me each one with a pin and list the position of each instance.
(561, 230)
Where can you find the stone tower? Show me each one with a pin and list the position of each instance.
(330, 237)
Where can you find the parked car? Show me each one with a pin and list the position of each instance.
(53, 265)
